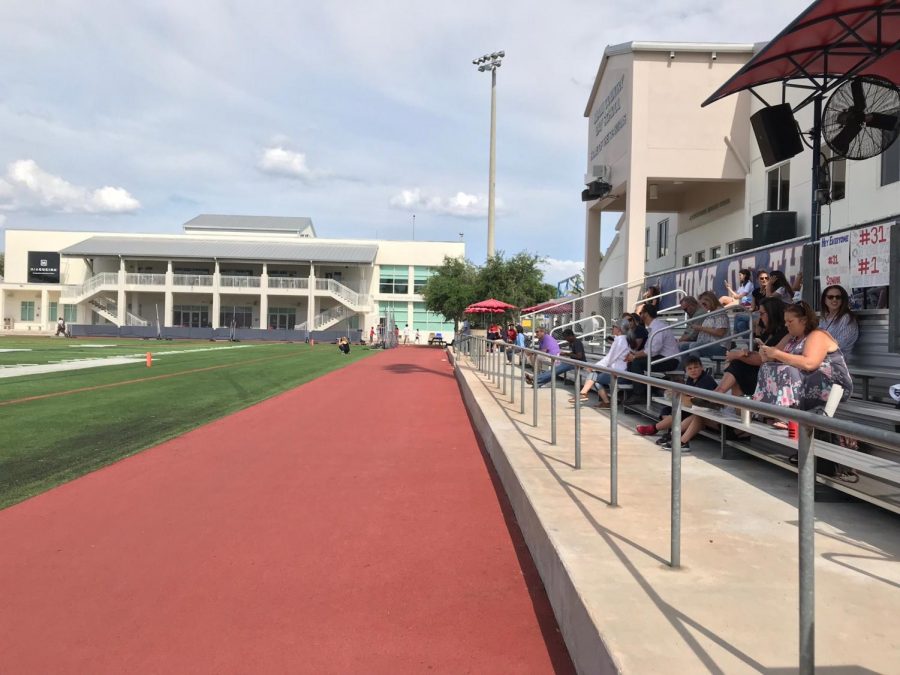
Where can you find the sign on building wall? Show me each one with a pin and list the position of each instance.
(43, 267)
(712, 277)
(870, 249)
(834, 260)
(608, 118)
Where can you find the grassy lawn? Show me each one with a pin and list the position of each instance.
(51, 440)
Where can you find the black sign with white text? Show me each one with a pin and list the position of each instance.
(43, 267)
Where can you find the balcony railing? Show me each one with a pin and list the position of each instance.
(238, 282)
(289, 282)
(192, 279)
(144, 279)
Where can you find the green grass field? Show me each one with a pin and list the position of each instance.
(80, 420)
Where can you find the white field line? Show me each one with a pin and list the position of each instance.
(15, 350)
(22, 369)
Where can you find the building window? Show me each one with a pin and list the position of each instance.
(662, 238)
(429, 322)
(778, 182)
(687, 260)
(890, 164)
(284, 318)
(420, 277)
(242, 317)
(732, 247)
(394, 279)
(26, 311)
(53, 312)
(190, 316)
(715, 253)
(400, 311)
(70, 313)
(837, 171)
(701, 256)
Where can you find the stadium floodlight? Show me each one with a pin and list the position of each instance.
(490, 62)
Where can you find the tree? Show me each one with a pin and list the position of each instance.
(518, 281)
(451, 289)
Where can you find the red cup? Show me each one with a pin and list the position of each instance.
(793, 429)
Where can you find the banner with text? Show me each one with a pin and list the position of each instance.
(787, 257)
(870, 250)
(834, 260)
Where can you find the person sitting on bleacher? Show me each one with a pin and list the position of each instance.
(622, 344)
(712, 328)
(742, 294)
(693, 310)
(743, 364)
(695, 376)
(800, 371)
(837, 317)
(661, 347)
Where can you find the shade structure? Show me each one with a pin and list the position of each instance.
(831, 38)
(489, 306)
(555, 306)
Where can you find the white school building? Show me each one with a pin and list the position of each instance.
(252, 272)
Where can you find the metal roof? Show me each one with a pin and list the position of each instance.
(186, 247)
(274, 224)
(831, 38)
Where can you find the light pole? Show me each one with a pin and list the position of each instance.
(490, 62)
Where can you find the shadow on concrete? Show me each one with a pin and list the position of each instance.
(680, 622)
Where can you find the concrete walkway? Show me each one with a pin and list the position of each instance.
(732, 607)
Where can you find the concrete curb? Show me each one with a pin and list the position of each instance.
(581, 635)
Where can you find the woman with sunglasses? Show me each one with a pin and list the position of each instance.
(837, 317)
(800, 371)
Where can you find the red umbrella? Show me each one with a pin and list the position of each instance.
(490, 306)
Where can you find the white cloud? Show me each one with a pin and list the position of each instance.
(282, 162)
(557, 270)
(461, 205)
(27, 187)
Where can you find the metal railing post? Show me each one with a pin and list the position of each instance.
(504, 362)
(512, 375)
(614, 441)
(553, 403)
(577, 418)
(807, 486)
(522, 386)
(534, 388)
(676, 481)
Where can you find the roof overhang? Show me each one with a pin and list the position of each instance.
(683, 47)
(186, 248)
(832, 40)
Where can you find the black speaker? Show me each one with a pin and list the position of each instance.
(776, 133)
(770, 227)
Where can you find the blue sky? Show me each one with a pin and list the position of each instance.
(137, 116)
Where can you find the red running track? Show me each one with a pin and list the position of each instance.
(350, 525)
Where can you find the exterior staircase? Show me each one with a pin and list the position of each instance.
(72, 295)
(345, 295)
(108, 309)
(327, 319)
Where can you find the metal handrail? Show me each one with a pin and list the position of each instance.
(599, 331)
(808, 421)
(583, 297)
(644, 301)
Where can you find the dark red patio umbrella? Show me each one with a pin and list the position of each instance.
(490, 306)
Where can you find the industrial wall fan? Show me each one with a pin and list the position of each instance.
(862, 117)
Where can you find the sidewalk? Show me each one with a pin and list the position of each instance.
(350, 525)
(732, 607)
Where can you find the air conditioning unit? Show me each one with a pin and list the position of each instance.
(602, 172)
(770, 227)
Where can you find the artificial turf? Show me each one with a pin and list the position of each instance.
(57, 426)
